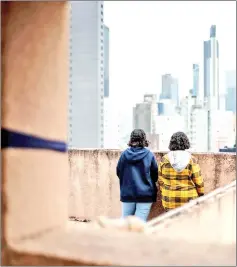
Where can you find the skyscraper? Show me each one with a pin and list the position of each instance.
(86, 96)
(195, 91)
(211, 71)
(106, 61)
(230, 101)
(170, 88)
(144, 114)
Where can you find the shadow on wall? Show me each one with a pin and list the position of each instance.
(94, 186)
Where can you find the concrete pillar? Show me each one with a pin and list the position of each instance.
(35, 37)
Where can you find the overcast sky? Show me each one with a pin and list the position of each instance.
(150, 38)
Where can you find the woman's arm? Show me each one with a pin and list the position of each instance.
(119, 166)
(154, 169)
(197, 179)
(160, 180)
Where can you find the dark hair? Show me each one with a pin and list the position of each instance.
(138, 139)
(179, 141)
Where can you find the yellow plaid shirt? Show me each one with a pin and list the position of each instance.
(178, 188)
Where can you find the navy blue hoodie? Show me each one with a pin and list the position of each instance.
(138, 173)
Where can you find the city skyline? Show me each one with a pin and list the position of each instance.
(93, 74)
(174, 49)
(208, 124)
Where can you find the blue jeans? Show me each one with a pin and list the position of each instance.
(140, 210)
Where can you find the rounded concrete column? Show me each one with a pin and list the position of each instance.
(35, 72)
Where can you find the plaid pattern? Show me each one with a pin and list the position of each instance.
(178, 188)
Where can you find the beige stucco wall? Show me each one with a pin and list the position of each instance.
(34, 101)
(211, 218)
(94, 187)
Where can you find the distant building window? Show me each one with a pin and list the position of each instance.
(101, 33)
(101, 41)
(101, 68)
(102, 13)
(102, 54)
(102, 26)
(102, 48)
(102, 61)
(102, 20)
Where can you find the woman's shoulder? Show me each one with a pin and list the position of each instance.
(164, 158)
(193, 160)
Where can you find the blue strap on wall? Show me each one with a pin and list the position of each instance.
(12, 139)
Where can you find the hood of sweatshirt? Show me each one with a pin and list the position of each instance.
(135, 154)
(179, 159)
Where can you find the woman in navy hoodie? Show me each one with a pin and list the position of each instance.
(137, 171)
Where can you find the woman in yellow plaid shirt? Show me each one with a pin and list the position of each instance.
(180, 178)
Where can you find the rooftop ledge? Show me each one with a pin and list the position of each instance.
(209, 223)
(94, 186)
(75, 245)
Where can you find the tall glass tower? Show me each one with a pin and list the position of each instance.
(170, 88)
(86, 94)
(211, 71)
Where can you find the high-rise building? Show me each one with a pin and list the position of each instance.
(111, 116)
(106, 61)
(86, 96)
(198, 129)
(170, 89)
(195, 91)
(211, 71)
(230, 100)
(167, 80)
(186, 106)
(144, 114)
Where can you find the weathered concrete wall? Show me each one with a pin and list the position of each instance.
(211, 218)
(34, 101)
(94, 187)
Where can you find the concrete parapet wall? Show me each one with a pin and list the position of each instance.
(94, 187)
(211, 218)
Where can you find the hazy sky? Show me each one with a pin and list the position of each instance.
(150, 38)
